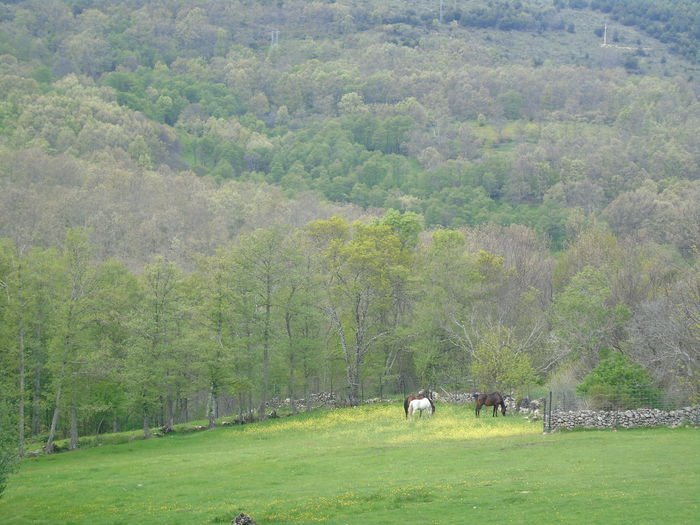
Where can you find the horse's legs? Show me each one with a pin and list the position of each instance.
(495, 411)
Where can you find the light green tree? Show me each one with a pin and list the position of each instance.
(103, 397)
(157, 360)
(73, 316)
(362, 267)
(259, 275)
(8, 449)
(584, 318)
(13, 327)
(214, 330)
(499, 362)
(304, 325)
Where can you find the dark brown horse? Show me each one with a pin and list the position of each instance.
(420, 395)
(490, 400)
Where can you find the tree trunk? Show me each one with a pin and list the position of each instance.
(264, 387)
(22, 362)
(292, 403)
(20, 423)
(146, 429)
(212, 409)
(170, 409)
(292, 360)
(354, 384)
(73, 428)
(307, 389)
(48, 449)
(38, 373)
(351, 369)
(36, 400)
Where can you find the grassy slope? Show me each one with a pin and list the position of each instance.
(369, 465)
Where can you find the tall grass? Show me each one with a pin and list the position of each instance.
(369, 465)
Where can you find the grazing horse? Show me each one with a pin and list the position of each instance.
(421, 404)
(420, 395)
(407, 402)
(490, 400)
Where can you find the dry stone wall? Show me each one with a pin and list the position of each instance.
(643, 417)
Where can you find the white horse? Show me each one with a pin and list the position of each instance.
(420, 405)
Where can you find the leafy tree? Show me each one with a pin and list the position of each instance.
(70, 342)
(156, 364)
(14, 306)
(214, 305)
(103, 397)
(362, 267)
(499, 362)
(8, 450)
(617, 382)
(304, 325)
(260, 274)
(457, 287)
(405, 225)
(583, 319)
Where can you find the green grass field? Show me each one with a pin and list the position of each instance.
(369, 465)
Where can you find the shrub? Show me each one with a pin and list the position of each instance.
(618, 383)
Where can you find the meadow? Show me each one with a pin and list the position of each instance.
(369, 465)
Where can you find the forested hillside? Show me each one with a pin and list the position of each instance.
(222, 201)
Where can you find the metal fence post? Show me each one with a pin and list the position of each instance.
(547, 414)
(544, 417)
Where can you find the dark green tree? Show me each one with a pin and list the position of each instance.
(618, 383)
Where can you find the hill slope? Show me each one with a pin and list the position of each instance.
(209, 203)
(508, 114)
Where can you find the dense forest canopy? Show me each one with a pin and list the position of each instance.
(209, 200)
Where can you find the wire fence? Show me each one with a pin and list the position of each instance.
(610, 408)
(608, 399)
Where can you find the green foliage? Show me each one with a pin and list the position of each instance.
(506, 16)
(8, 444)
(167, 132)
(346, 120)
(676, 21)
(618, 383)
(498, 366)
(406, 226)
(584, 319)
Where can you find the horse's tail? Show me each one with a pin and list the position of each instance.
(432, 405)
(405, 407)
